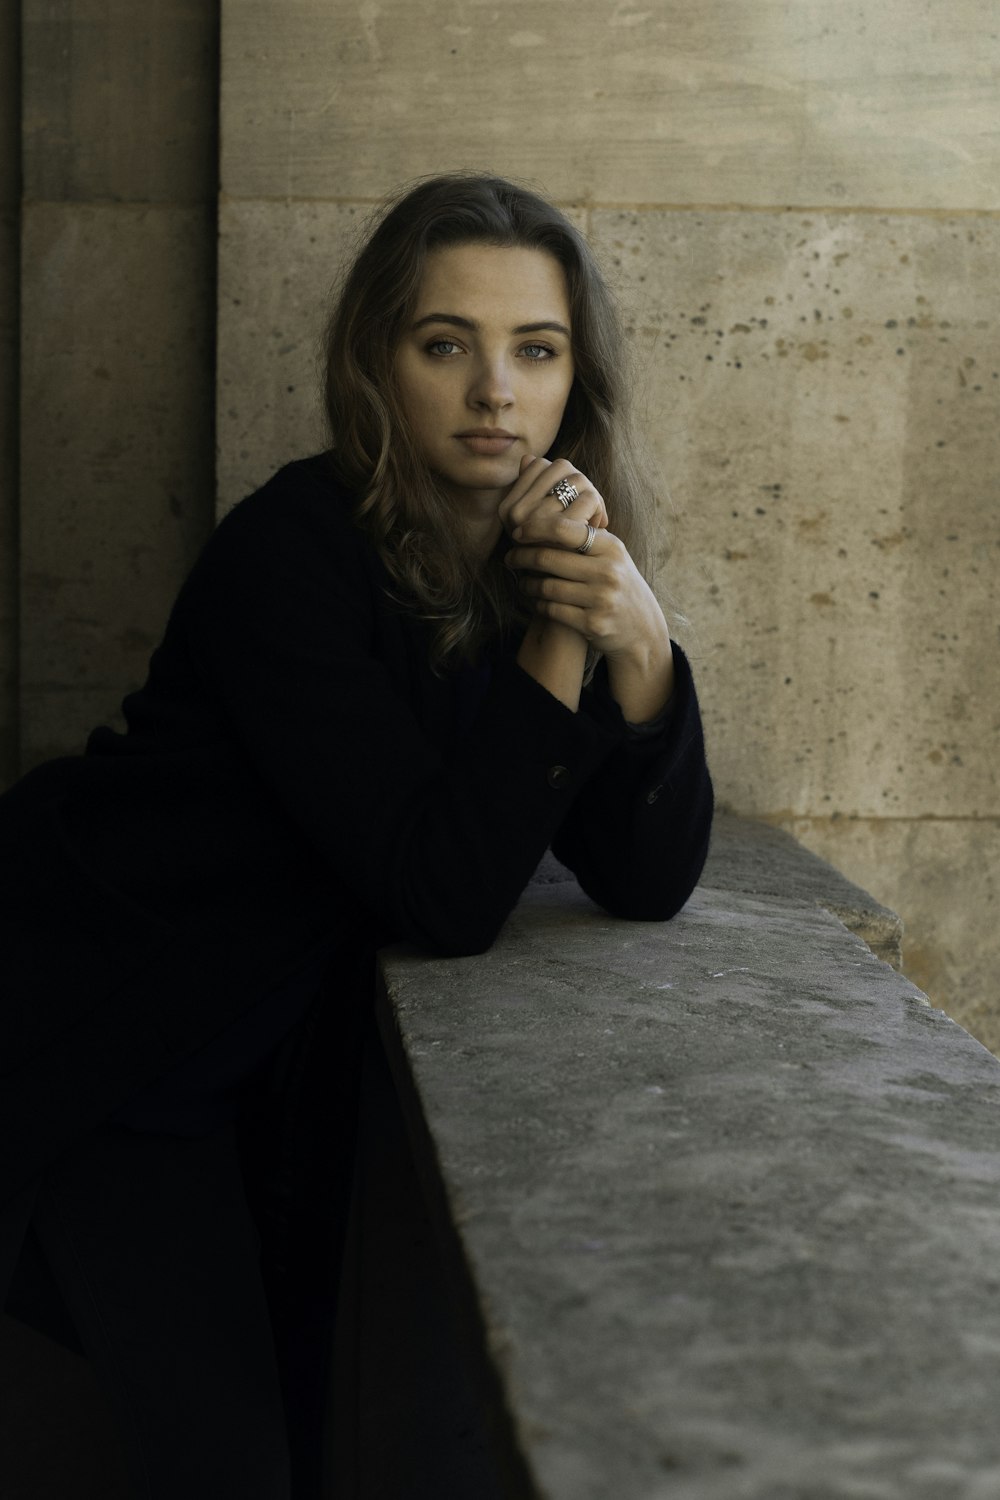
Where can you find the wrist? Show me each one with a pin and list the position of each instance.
(555, 655)
(641, 678)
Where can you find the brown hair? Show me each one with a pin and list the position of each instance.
(409, 518)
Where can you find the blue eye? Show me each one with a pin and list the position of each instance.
(447, 345)
(538, 352)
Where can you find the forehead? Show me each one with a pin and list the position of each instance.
(494, 284)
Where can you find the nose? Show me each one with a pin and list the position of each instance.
(491, 387)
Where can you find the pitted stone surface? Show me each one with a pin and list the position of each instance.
(944, 874)
(825, 389)
(726, 1193)
(762, 861)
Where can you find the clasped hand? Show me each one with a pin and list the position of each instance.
(599, 594)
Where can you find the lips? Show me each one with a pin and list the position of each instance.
(487, 441)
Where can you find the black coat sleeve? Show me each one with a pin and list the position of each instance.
(637, 836)
(284, 624)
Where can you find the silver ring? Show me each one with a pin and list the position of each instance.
(591, 533)
(565, 493)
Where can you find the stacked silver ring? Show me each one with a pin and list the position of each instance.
(565, 493)
(591, 533)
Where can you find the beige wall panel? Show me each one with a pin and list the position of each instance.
(277, 266)
(9, 226)
(115, 451)
(10, 203)
(943, 878)
(10, 104)
(874, 102)
(823, 392)
(120, 99)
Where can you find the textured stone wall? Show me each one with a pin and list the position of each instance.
(10, 195)
(799, 205)
(117, 338)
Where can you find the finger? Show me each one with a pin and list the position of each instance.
(531, 470)
(538, 492)
(555, 590)
(589, 502)
(565, 614)
(560, 538)
(588, 508)
(547, 522)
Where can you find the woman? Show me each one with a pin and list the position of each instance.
(397, 674)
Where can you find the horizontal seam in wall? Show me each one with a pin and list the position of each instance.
(591, 206)
(847, 818)
(26, 203)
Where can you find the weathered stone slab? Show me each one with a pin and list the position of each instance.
(10, 198)
(822, 392)
(755, 860)
(116, 442)
(120, 100)
(9, 254)
(943, 877)
(782, 101)
(686, 1170)
(10, 105)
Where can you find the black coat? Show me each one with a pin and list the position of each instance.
(294, 773)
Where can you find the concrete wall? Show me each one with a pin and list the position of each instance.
(117, 341)
(799, 203)
(10, 195)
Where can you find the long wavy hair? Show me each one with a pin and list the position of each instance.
(400, 502)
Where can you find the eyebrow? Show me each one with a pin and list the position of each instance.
(456, 322)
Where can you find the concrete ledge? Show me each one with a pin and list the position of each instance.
(756, 860)
(718, 1197)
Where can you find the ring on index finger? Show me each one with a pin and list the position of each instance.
(565, 493)
(591, 533)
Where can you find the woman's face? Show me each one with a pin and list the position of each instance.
(486, 365)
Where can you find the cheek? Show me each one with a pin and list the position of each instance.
(421, 393)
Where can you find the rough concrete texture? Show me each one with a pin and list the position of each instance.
(116, 446)
(119, 102)
(828, 394)
(755, 860)
(277, 268)
(120, 106)
(10, 200)
(783, 101)
(944, 876)
(722, 1193)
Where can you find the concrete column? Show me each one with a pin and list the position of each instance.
(117, 344)
(10, 202)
